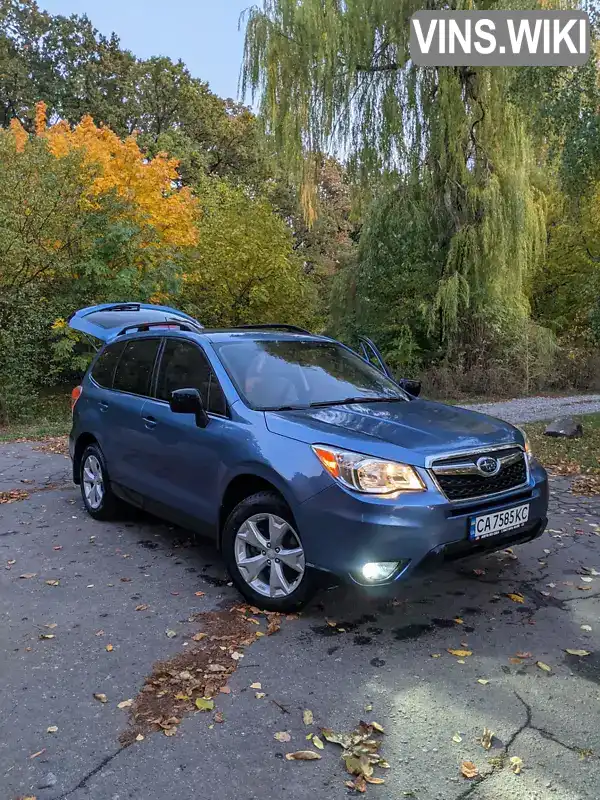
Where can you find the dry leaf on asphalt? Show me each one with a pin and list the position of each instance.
(524, 655)
(516, 764)
(204, 704)
(468, 769)
(142, 607)
(109, 648)
(307, 716)
(487, 738)
(318, 743)
(482, 681)
(125, 704)
(171, 634)
(225, 690)
(457, 738)
(53, 583)
(516, 598)
(303, 755)
(578, 652)
(377, 727)
(46, 636)
(197, 637)
(460, 653)
(28, 575)
(140, 738)
(375, 781)
(260, 695)
(282, 736)
(199, 594)
(102, 698)
(586, 627)
(52, 729)
(543, 666)
(219, 717)
(256, 685)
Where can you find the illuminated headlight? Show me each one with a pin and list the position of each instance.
(366, 474)
(379, 571)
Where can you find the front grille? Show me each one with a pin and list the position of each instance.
(470, 485)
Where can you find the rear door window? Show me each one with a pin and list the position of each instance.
(135, 367)
(103, 370)
(184, 366)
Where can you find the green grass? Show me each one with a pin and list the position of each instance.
(49, 416)
(568, 456)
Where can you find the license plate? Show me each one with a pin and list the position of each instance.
(500, 522)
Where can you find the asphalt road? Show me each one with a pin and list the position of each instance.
(533, 409)
(378, 654)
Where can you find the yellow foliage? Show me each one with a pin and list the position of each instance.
(19, 133)
(150, 187)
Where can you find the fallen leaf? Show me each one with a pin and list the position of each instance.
(52, 625)
(369, 707)
(52, 729)
(183, 697)
(479, 572)
(460, 653)
(125, 704)
(468, 769)
(375, 781)
(143, 607)
(197, 637)
(46, 636)
(586, 627)
(99, 633)
(28, 575)
(217, 668)
(260, 695)
(318, 743)
(587, 579)
(456, 738)
(307, 716)
(170, 731)
(219, 717)
(543, 666)
(377, 727)
(204, 704)
(461, 661)
(109, 648)
(199, 594)
(139, 738)
(515, 764)
(459, 621)
(53, 583)
(524, 655)
(302, 755)
(258, 634)
(39, 753)
(256, 685)
(487, 738)
(482, 681)
(515, 660)
(282, 736)
(578, 652)
(331, 623)
(225, 690)
(236, 656)
(171, 634)
(585, 588)
(102, 698)
(516, 598)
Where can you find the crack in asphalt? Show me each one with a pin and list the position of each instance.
(527, 725)
(105, 761)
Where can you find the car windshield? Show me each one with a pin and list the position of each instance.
(287, 374)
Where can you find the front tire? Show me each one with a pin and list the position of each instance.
(98, 498)
(265, 556)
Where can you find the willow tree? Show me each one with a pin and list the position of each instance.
(336, 75)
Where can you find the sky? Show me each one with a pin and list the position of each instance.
(202, 33)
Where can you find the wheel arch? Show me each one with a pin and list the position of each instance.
(83, 441)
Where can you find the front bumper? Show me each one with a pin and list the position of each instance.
(341, 530)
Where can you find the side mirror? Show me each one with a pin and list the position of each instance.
(188, 401)
(412, 387)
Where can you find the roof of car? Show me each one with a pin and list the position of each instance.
(217, 335)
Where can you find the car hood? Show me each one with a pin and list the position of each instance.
(420, 428)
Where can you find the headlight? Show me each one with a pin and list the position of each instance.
(528, 450)
(366, 474)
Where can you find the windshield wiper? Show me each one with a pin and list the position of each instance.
(362, 399)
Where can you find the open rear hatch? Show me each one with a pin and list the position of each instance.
(106, 322)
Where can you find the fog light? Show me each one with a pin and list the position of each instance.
(379, 571)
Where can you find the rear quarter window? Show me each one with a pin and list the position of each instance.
(135, 367)
(103, 370)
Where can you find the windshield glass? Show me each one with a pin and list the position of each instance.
(271, 375)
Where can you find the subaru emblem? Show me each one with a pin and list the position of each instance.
(488, 466)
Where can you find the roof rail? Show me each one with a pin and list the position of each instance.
(142, 327)
(273, 327)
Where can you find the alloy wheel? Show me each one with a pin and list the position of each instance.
(93, 482)
(269, 555)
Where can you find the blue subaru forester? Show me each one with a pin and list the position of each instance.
(297, 455)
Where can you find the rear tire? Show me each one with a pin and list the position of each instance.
(98, 498)
(265, 556)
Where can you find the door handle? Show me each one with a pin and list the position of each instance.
(103, 406)
(150, 422)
